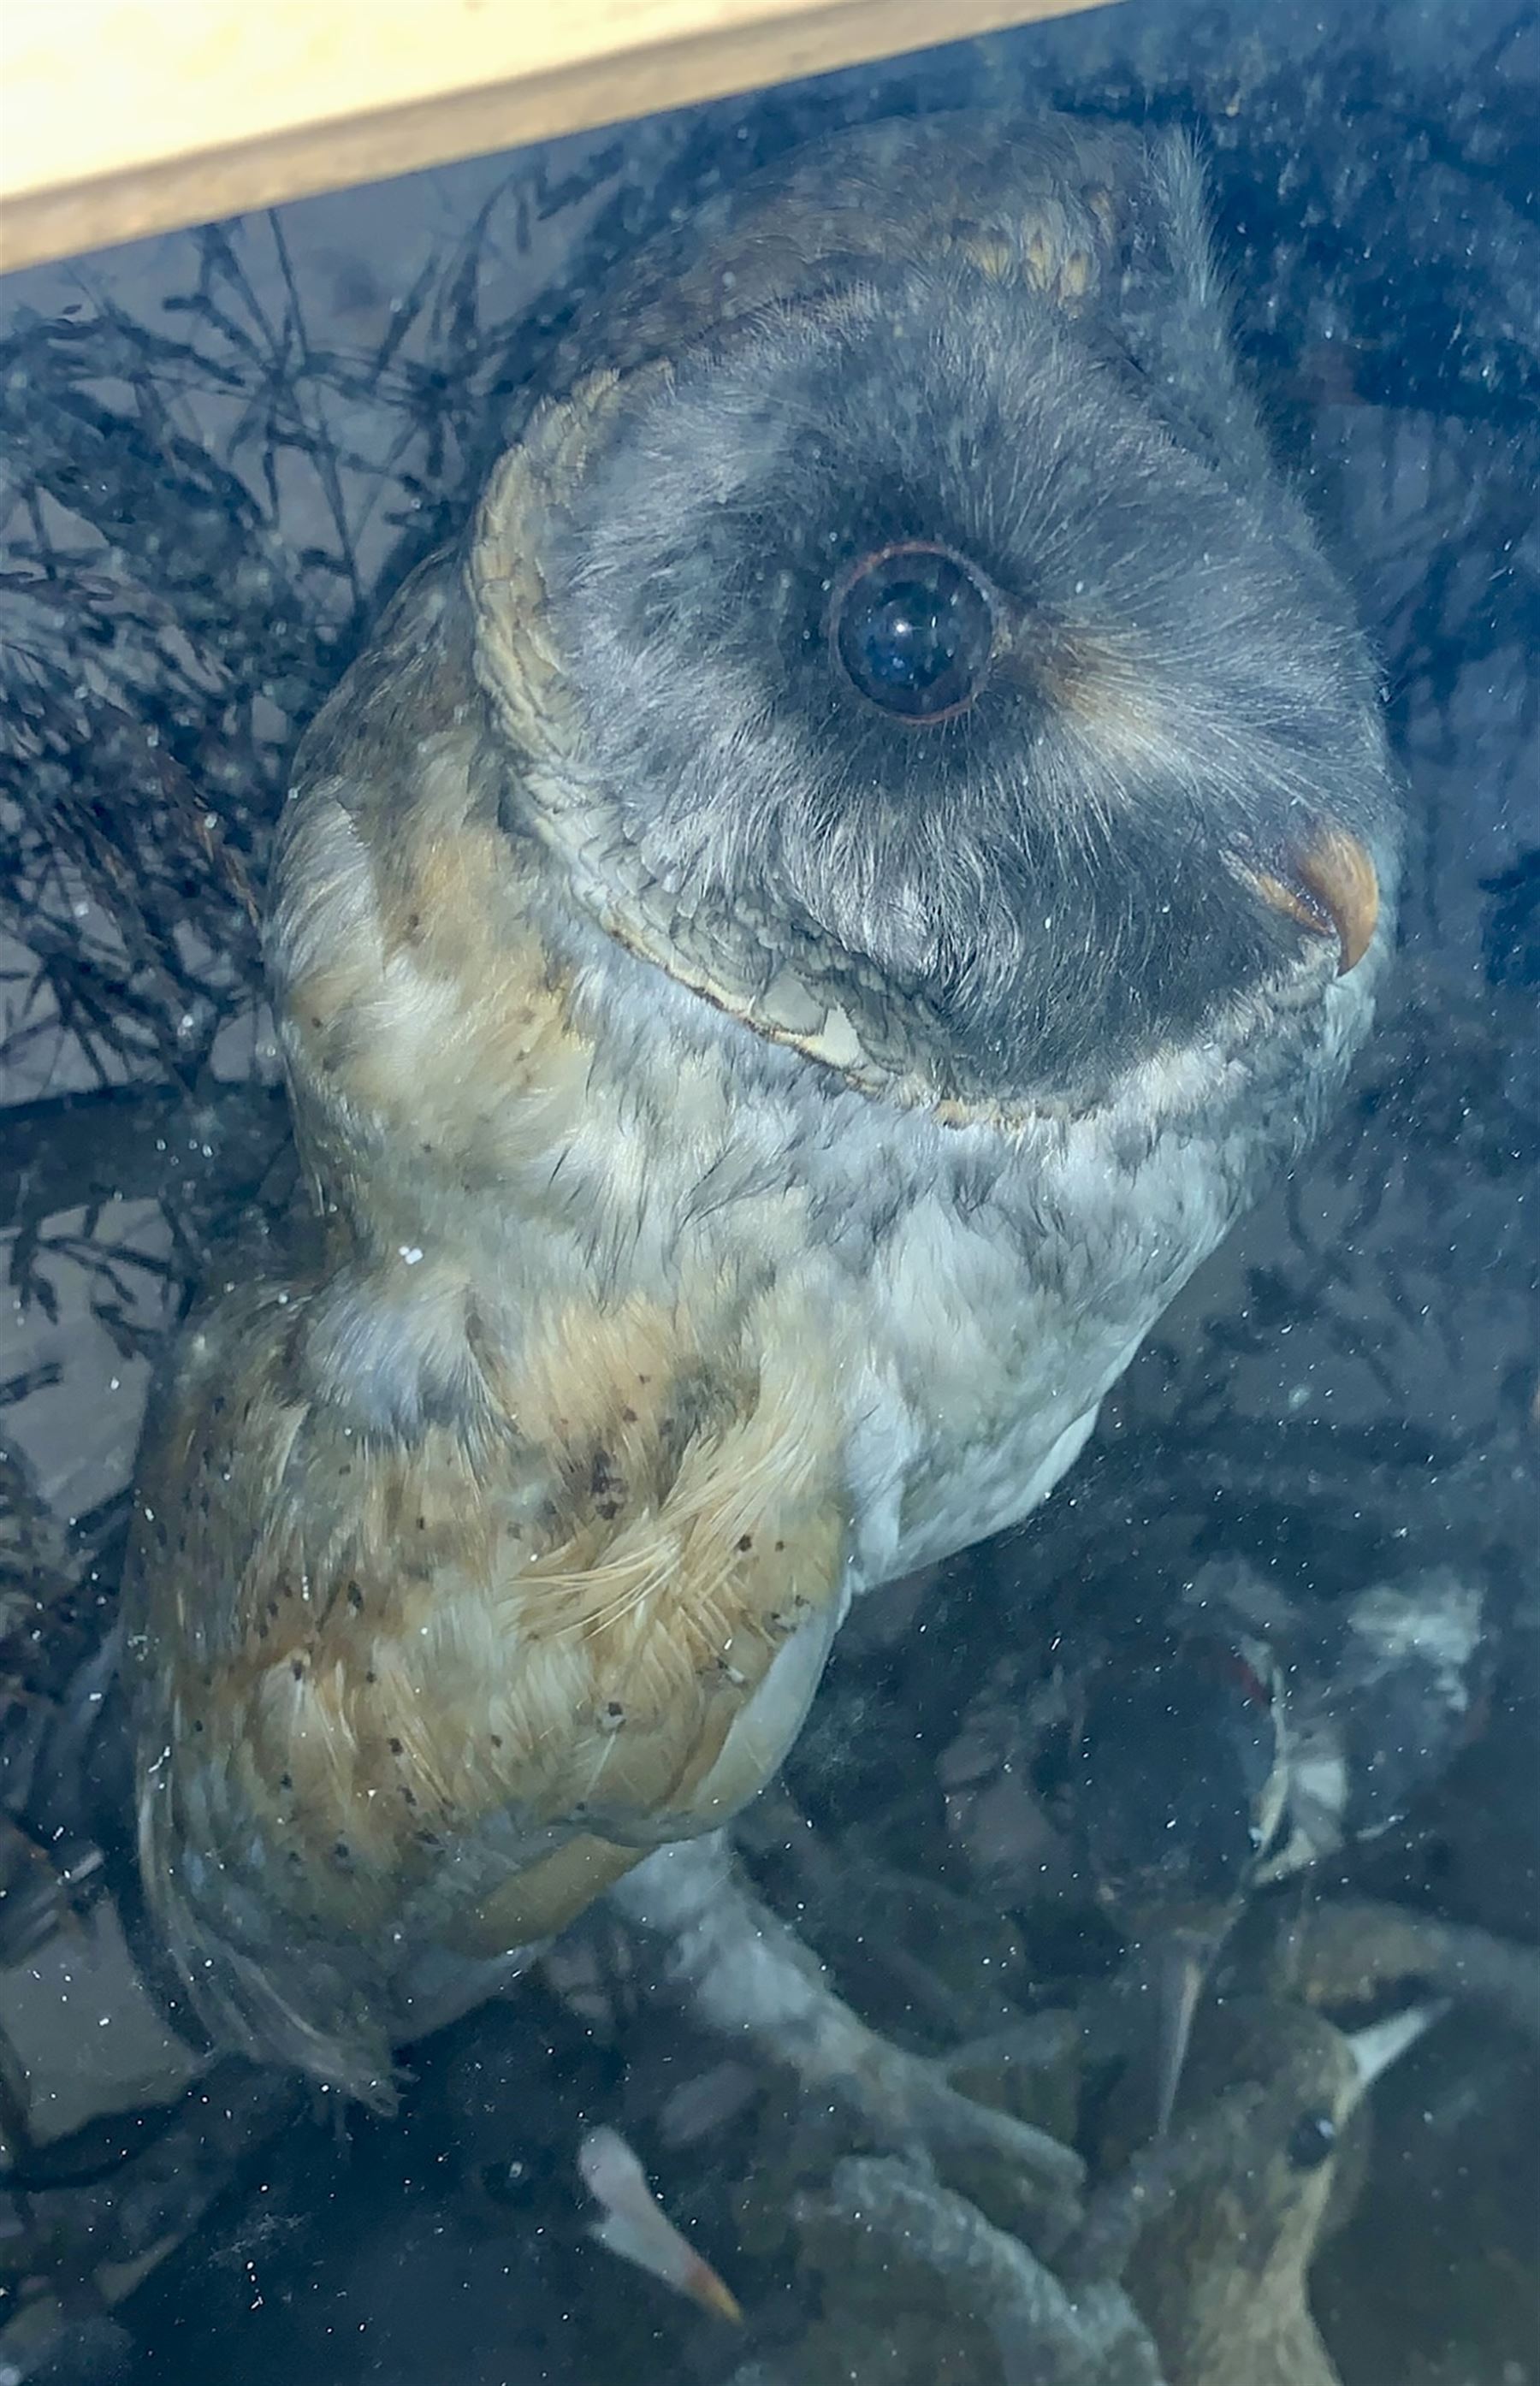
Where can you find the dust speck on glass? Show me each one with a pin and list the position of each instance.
(768, 935)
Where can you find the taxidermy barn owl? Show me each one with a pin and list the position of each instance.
(807, 924)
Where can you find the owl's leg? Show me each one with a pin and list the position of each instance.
(749, 1976)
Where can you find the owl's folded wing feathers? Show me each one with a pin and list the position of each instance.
(436, 1692)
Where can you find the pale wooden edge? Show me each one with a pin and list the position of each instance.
(629, 80)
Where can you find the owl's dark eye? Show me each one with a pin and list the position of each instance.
(1313, 2136)
(914, 629)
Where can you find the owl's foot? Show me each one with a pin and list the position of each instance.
(747, 1974)
(879, 2217)
(941, 2110)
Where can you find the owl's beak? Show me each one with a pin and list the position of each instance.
(1330, 888)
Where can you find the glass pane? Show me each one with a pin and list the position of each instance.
(772, 1206)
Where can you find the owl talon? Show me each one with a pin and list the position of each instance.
(929, 2246)
(1017, 2174)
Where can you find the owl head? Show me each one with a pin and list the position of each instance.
(902, 636)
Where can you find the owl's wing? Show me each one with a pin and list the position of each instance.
(403, 1692)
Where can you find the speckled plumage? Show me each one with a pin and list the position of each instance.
(749, 1137)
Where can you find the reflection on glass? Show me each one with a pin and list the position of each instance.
(869, 853)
